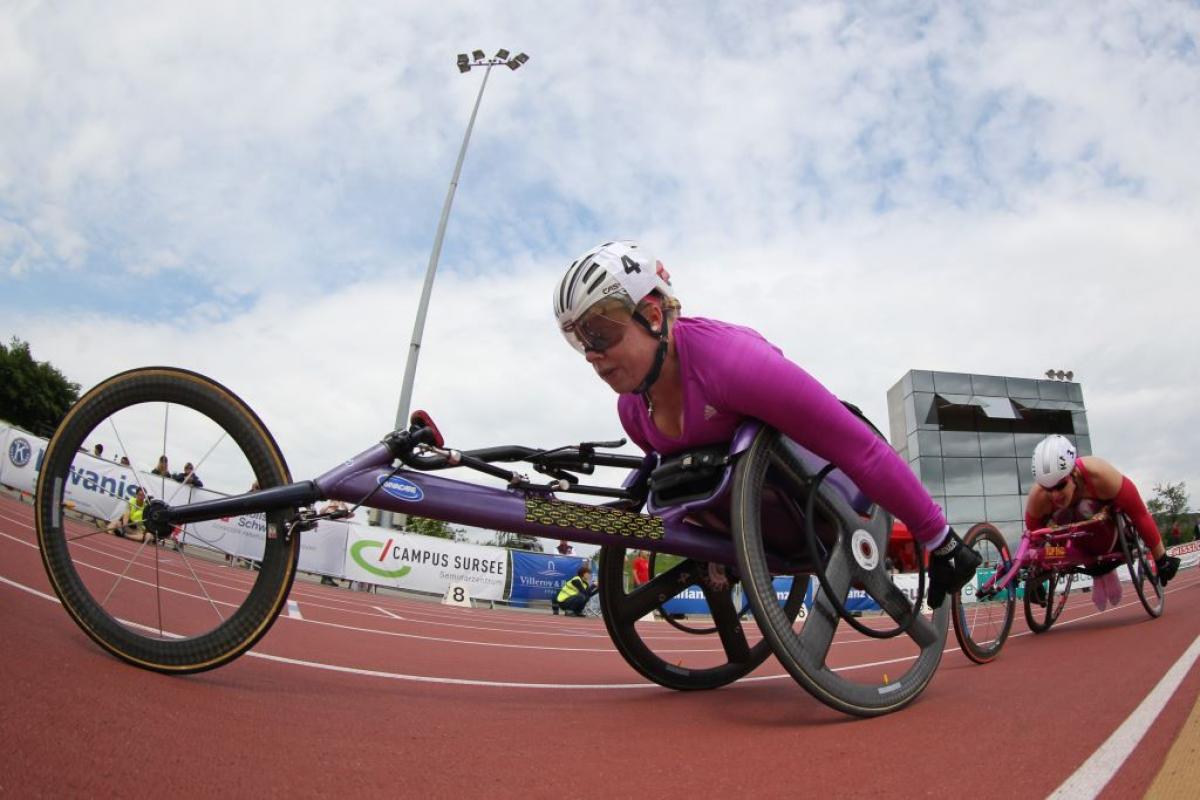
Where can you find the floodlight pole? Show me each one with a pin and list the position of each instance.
(414, 348)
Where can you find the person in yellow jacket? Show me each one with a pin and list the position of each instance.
(130, 520)
(576, 592)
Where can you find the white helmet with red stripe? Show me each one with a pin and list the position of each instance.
(619, 269)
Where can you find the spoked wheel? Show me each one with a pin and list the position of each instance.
(1056, 586)
(981, 627)
(809, 654)
(736, 652)
(183, 601)
(1141, 568)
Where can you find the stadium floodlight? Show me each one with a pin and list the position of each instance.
(516, 61)
(502, 54)
(410, 368)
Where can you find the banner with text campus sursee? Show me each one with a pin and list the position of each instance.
(424, 563)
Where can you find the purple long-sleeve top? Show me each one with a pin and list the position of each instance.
(730, 373)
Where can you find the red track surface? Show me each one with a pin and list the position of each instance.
(374, 694)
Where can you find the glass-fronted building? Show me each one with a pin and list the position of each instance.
(969, 438)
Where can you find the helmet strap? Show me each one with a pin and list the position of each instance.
(660, 356)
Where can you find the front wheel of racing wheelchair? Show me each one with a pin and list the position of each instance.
(776, 473)
(187, 610)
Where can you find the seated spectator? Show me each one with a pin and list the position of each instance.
(161, 468)
(575, 593)
(189, 476)
(98, 450)
(565, 548)
(130, 521)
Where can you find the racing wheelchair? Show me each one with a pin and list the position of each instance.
(767, 510)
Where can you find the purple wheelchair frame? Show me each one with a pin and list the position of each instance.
(525, 508)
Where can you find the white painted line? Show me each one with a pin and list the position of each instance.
(293, 609)
(390, 614)
(1095, 773)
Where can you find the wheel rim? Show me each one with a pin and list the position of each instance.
(198, 595)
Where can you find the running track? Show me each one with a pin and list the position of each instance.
(372, 694)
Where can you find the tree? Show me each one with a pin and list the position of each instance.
(432, 527)
(1169, 504)
(516, 541)
(33, 394)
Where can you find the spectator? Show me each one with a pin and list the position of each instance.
(130, 520)
(98, 450)
(641, 569)
(161, 468)
(1175, 535)
(125, 461)
(575, 593)
(565, 548)
(189, 476)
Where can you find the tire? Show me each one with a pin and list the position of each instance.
(1058, 586)
(771, 465)
(1141, 569)
(982, 627)
(622, 610)
(183, 611)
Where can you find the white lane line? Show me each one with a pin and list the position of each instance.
(1095, 773)
(293, 609)
(390, 614)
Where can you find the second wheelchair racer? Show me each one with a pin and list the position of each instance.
(688, 381)
(1071, 488)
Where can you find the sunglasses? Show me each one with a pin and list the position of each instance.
(600, 329)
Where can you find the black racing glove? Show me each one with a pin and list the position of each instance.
(1167, 567)
(951, 567)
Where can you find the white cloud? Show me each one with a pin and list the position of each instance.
(992, 190)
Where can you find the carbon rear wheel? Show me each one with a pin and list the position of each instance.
(1141, 568)
(667, 659)
(982, 625)
(770, 470)
(177, 601)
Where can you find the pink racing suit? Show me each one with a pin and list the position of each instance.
(731, 373)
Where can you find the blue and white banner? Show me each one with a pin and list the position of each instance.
(691, 600)
(538, 576)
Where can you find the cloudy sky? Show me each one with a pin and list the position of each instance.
(252, 191)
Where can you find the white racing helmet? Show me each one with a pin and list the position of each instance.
(619, 270)
(1053, 459)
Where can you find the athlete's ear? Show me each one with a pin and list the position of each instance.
(653, 312)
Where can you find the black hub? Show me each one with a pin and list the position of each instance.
(154, 518)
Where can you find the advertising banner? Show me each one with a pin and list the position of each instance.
(538, 576)
(424, 563)
(323, 550)
(96, 487)
(691, 600)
